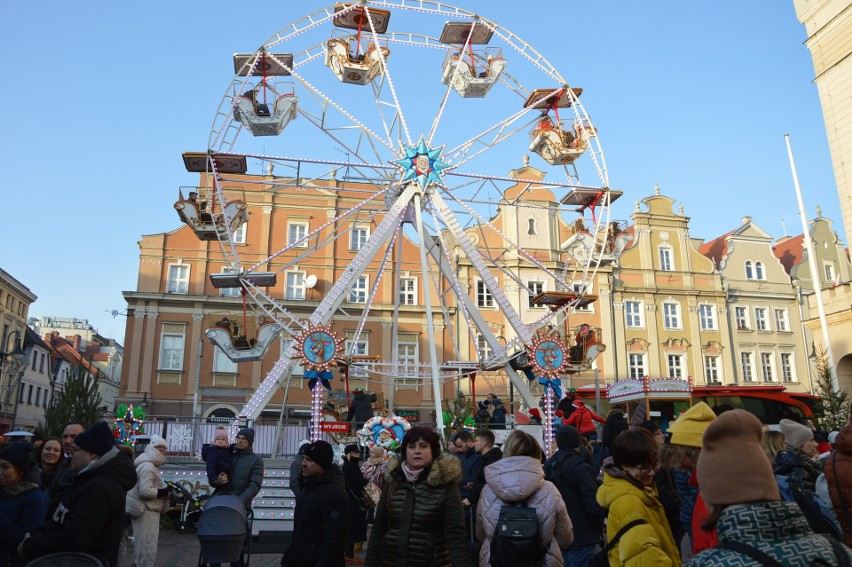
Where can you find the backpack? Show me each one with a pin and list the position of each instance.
(601, 558)
(517, 540)
(820, 518)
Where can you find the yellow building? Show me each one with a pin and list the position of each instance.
(15, 301)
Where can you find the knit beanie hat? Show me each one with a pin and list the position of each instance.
(321, 453)
(690, 426)
(795, 433)
(732, 467)
(567, 437)
(18, 455)
(156, 441)
(351, 448)
(97, 439)
(248, 433)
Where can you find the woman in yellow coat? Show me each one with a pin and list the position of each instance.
(628, 493)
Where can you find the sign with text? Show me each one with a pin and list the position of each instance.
(334, 426)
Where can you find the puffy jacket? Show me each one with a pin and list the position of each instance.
(420, 524)
(149, 481)
(361, 408)
(319, 522)
(583, 419)
(650, 544)
(22, 510)
(776, 528)
(521, 479)
(577, 483)
(841, 458)
(90, 518)
(246, 476)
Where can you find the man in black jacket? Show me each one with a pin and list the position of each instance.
(90, 518)
(361, 408)
(577, 483)
(484, 445)
(322, 512)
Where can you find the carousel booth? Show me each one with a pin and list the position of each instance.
(470, 71)
(264, 108)
(662, 399)
(556, 142)
(357, 58)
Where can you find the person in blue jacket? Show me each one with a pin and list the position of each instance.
(22, 505)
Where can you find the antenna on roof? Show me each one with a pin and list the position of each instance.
(784, 226)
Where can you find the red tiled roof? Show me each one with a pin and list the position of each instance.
(62, 348)
(716, 249)
(790, 252)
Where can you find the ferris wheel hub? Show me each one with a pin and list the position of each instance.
(423, 163)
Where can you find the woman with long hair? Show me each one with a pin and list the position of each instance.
(47, 457)
(420, 519)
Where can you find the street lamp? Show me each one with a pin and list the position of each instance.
(144, 402)
(17, 354)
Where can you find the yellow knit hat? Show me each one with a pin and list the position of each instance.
(691, 425)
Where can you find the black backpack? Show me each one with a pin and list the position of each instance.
(517, 540)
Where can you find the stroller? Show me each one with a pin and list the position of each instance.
(224, 531)
(186, 507)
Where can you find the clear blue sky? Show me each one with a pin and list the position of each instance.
(101, 98)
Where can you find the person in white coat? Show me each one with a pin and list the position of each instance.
(519, 477)
(147, 500)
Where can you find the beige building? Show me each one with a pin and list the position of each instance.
(15, 301)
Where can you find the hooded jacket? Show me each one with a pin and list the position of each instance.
(776, 528)
(576, 481)
(149, 481)
(319, 522)
(361, 408)
(583, 419)
(421, 523)
(841, 459)
(90, 518)
(521, 479)
(650, 544)
(22, 510)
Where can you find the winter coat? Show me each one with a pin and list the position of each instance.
(775, 527)
(149, 483)
(355, 483)
(650, 544)
(577, 484)
(798, 466)
(218, 460)
(668, 495)
(583, 419)
(521, 479)
(374, 471)
(499, 416)
(841, 458)
(470, 461)
(688, 493)
(613, 425)
(22, 510)
(420, 524)
(246, 476)
(296, 475)
(319, 522)
(493, 455)
(90, 519)
(701, 538)
(361, 408)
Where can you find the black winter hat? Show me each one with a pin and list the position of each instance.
(351, 448)
(18, 454)
(97, 439)
(321, 453)
(567, 437)
(248, 433)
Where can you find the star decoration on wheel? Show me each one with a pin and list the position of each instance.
(548, 354)
(422, 163)
(318, 347)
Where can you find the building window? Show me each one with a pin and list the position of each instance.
(45, 401)
(781, 321)
(171, 348)
(21, 393)
(741, 316)
(295, 287)
(229, 291)
(759, 273)
(707, 315)
(633, 313)
(711, 369)
(30, 395)
(178, 279)
(482, 347)
(788, 370)
(406, 348)
(666, 263)
(637, 366)
(358, 294)
(749, 270)
(828, 270)
(761, 323)
(359, 237)
(531, 230)
(535, 288)
(296, 233)
(581, 290)
(240, 234)
(41, 364)
(671, 315)
(361, 347)
(35, 360)
(675, 365)
(223, 364)
(484, 299)
(767, 367)
(38, 396)
(408, 291)
(747, 364)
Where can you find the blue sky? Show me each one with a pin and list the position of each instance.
(102, 98)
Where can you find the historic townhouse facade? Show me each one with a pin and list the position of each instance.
(764, 311)
(15, 301)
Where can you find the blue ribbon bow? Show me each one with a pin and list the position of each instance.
(554, 383)
(323, 377)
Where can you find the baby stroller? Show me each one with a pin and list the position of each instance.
(186, 507)
(224, 531)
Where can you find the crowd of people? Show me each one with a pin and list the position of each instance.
(703, 490)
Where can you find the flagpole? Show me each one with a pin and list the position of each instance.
(817, 283)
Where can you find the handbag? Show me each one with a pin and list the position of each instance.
(372, 494)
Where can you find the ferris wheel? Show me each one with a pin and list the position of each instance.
(410, 109)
